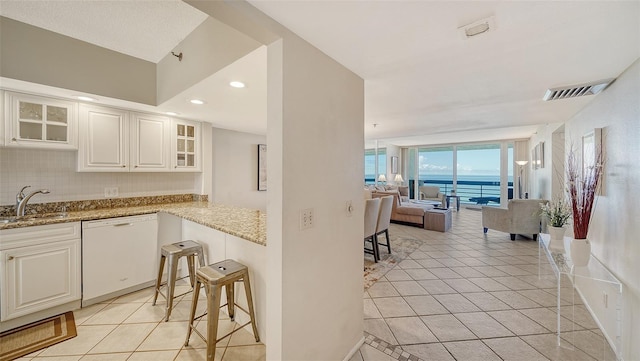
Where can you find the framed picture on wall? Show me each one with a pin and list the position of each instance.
(394, 165)
(262, 167)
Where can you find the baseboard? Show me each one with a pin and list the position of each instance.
(111, 295)
(354, 349)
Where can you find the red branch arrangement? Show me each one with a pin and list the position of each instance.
(582, 191)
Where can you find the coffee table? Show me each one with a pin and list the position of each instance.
(437, 219)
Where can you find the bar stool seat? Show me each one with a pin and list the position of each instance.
(172, 253)
(214, 277)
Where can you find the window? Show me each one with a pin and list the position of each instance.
(370, 174)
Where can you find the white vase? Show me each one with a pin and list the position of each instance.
(556, 242)
(580, 252)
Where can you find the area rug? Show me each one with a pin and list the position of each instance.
(36, 336)
(401, 248)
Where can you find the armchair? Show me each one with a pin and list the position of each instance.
(522, 216)
(431, 193)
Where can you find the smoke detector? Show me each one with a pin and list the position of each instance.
(573, 91)
(477, 27)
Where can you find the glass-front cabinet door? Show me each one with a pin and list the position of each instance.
(40, 122)
(186, 146)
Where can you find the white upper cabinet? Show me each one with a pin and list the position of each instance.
(185, 146)
(33, 121)
(150, 140)
(104, 139)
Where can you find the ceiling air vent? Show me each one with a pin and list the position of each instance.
(573, 91)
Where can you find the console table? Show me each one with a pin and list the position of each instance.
(596, 280)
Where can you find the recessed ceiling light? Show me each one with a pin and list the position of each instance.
(197, 101)
(171, 113)
(237, 84)
(85, 98)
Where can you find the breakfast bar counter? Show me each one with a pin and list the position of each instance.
(248, 224)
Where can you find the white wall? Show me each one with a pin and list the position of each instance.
(614, 228)
(543, 178)
(56, 171)
(209, 48)
(41, 56)
(320, 269)
(235, 169)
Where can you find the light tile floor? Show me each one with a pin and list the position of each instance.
(459, 296)
(466, 296)
(131, 328)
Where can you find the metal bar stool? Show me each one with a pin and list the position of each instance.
(172, 253)
(214, 277)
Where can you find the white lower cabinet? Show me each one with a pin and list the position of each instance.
(40, 268)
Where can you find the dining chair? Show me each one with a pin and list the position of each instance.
(371, 211)
(384, 220)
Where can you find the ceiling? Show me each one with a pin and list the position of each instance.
(425, 83)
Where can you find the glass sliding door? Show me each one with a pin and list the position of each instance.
(478, 174)
(436, 168)
(374, 165)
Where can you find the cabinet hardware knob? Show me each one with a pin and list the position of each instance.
(10, 258)
(124, 166)
(14, 140)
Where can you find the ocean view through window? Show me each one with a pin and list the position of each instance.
(474, 172)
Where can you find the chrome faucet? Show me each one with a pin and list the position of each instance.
(21, 199)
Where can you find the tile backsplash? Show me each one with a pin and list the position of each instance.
(56, 171)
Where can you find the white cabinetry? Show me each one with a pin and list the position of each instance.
(40, 268)
(185, 146)
(33, 121)
(116, 140)
(149, 145)
(119, 256)
(104, 136)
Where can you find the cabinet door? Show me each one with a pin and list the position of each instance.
(149, 143)
(33, 121)
(185, 146)
(39, 277)
(104, 142)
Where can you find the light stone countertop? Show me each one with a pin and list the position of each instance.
(249, 224)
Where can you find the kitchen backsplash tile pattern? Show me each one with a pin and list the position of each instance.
(56, 171)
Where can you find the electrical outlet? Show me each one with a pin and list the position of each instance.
(349, 208)
(110, 192)
(306, 218)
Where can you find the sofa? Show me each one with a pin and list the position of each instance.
(432, 193)
(522, 216)
(404, 212)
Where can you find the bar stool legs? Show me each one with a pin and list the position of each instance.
(214, 277)
(172, 253)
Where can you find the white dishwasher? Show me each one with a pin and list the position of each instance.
(118, 256)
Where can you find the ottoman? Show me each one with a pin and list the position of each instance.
(437, 220)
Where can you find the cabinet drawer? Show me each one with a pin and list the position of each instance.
(29, 236)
